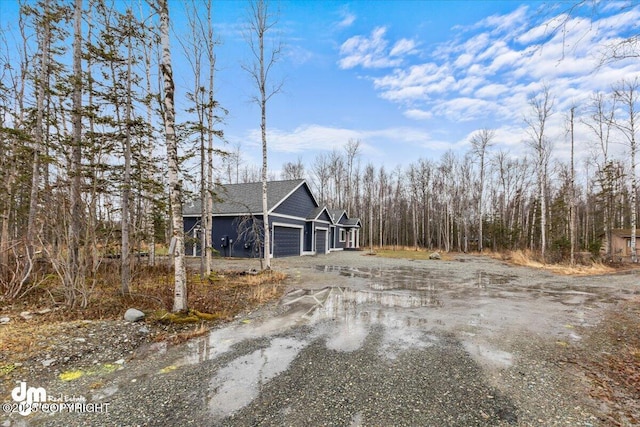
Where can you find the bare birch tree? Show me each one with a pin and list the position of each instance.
(480, 141)
(261, 22)
(541, 109)
(600, 122)
(321, 175)
(173, 168)
(572, 203)
(627, 94)
(352, 149)
(200, 52)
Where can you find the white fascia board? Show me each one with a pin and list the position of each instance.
(297, 218)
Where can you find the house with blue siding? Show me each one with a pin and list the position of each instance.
(299, 225)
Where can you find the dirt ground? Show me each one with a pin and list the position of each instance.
(531, 347)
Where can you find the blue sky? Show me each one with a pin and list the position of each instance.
(413, 79)
(410, 79)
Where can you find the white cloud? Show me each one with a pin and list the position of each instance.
(367, 52)
(493, 90)
(418, 114)
(347, 18)
(506, 23)
(373, 52)
(464, 109)
(491, 75)
(463, 60)
(306, 137)
(402, 47)
(418, 82)
(315, 138)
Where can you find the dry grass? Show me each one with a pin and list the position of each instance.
(528, 259)
(409, 253)
(218, 298)
(223, 294)
(522, 258)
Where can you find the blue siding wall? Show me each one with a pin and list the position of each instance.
(299, 204)
(324, 217)
(223, 227)
(243, 247)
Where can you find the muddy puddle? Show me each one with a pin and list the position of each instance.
(409, 301)
(412, 307)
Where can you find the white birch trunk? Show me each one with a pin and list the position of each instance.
(175, 190)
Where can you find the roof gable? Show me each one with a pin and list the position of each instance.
(338, 215)
(319, 214)
(353, 222)
(245, 198)
(298, 202)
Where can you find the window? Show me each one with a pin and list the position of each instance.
(343, 235)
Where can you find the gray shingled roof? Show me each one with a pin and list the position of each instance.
(336, 214)
(352, 222)
(314, 214)
(245, 198)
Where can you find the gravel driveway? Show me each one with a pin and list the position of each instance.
(366, 341)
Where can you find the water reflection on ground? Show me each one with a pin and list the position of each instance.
(412, 306)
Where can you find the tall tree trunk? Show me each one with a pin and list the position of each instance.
(627, 93)
(149, 211)
(77, 273)
(211, 56)
(572, 201)
(125, 267)
(265, 206)
(541, 106)
(173, 167)
(261, 21)
(41, 93)
(480, 142)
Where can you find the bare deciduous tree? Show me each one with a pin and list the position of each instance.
(261, 22)
(541, 109)
(175, 186)
(626, 92)
(291, 170)
(480, 142)
(600, 121)
(352, 149)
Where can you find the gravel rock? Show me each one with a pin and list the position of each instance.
(48, 362)
(133, 315)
